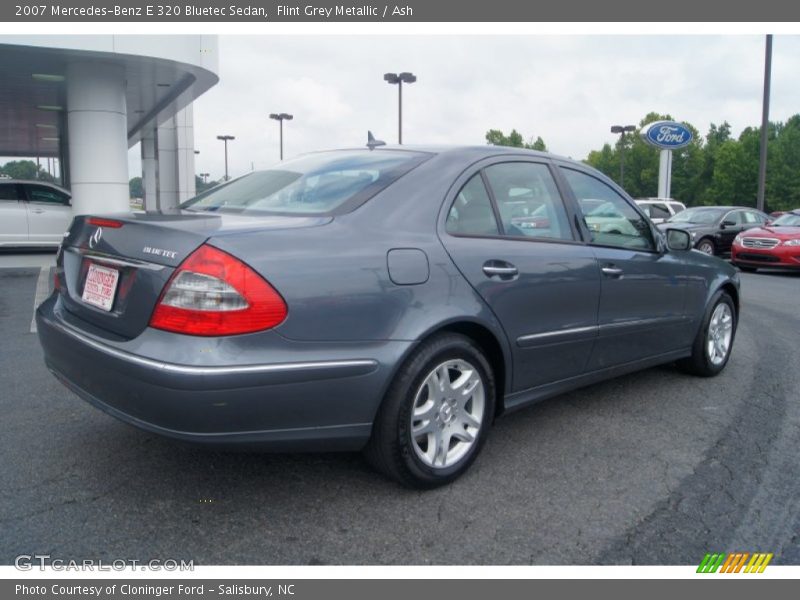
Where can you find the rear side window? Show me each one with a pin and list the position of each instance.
(528, 200)
(9, 191)
(316, 184)
(472, 213)
(676, 208)
(659, 211)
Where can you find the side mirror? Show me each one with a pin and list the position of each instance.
(728, 223)
(679, 240)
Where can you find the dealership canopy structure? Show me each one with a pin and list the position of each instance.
(85, 100)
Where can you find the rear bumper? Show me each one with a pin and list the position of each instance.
(296, 397)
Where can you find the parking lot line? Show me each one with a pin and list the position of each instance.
(42, 289)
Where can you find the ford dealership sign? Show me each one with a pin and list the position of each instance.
(667, 135)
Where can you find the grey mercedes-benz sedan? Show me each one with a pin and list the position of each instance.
(394, 300)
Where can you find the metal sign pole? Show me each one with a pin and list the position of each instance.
(665, 174)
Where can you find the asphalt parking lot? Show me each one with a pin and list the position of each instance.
(652, 468)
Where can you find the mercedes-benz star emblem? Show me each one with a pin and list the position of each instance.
(96, 237)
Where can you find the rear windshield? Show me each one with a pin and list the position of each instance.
(316, 184)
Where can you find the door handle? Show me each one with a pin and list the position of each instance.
(611, 271)
(496, 268)
(38, 211)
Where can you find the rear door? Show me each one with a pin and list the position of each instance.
(642, 292)
(13, 215)
(508, 232)
(49, 214)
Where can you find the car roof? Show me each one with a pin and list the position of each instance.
(486, 150)
(710, 206)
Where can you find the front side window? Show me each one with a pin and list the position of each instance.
(528, 200)
(734, 218)
(752, 217)
(313, 184)
(472, 213)
(608, 216)
(41, 193)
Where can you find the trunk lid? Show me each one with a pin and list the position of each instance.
(142, 253)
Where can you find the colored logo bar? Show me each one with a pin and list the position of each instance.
(735, 562)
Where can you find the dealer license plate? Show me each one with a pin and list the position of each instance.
(100, 286)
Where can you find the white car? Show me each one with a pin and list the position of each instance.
(33, 213)
(660, 209)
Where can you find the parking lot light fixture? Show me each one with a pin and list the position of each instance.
(281, 117)
(399, 79)
(226, 139)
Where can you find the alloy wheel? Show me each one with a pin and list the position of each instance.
(720, 333)
(448, 413)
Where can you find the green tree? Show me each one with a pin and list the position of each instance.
(201, 186)
(514, 140)
(25, 169)
(135, 188)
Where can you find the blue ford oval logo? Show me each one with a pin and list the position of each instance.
(668, 135)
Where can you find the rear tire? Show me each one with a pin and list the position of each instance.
(436, 414)
(714, 341)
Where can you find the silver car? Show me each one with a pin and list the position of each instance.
(385, 300)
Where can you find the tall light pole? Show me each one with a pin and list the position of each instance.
(621, 129)
(762, 161)
(225, 139)
(281, 117)
(399, 79)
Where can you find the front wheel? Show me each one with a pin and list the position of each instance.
(706, 247)
(436, 414)
(713, 343)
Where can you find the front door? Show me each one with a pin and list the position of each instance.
(49, 214)
(642, 290)
(508, 233)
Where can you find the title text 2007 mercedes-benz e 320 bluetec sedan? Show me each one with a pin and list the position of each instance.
(395, 300)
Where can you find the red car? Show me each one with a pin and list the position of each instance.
(775, 245)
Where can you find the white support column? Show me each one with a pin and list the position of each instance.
(167, 153)
(184, 128)
(149, 169)
(175, 158)
(98, 137)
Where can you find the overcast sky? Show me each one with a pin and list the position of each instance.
(567, 89)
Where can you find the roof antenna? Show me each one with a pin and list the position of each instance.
(372, 143)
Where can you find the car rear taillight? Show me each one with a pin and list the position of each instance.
(212, 293)
(100, 222)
